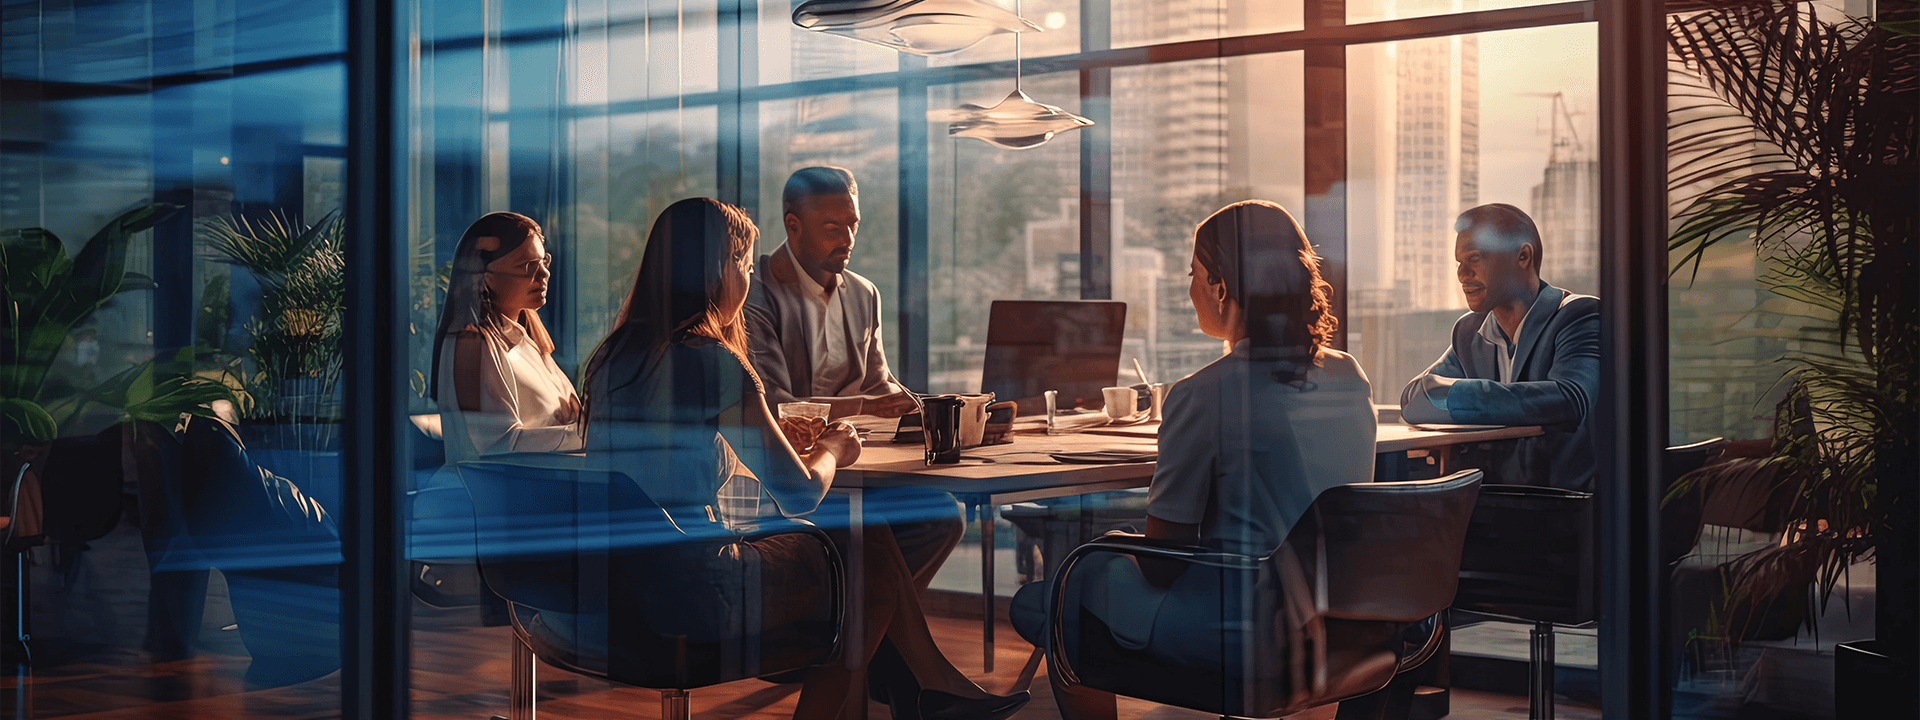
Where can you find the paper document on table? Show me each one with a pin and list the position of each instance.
(1079, 421)
(1439, 427)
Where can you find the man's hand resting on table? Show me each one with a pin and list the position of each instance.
(891, 405)
(1429, 403)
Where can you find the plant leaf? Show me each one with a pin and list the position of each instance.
(27, 418)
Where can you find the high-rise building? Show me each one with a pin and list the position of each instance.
(1566, 210)
(1413, 111)
(1436, 163)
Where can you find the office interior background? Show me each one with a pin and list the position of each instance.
(1375, 122)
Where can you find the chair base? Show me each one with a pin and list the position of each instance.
(523, 688)
(1540, 668)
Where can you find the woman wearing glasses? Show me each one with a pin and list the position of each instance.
(505, 393)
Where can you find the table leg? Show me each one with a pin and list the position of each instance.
(854, 634)
(985, 513)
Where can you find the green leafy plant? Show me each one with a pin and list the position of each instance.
(49, 296)
(294, 338)
(1797, 135)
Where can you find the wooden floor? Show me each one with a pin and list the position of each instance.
(460, 671)
(90, 620)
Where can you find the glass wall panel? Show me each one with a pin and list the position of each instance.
(1437, 126)
(858, 131)
(171, 364)
(788, 53)
(1059, 34)
(1189, 138)
(1001, 226)
(1770, 405)
(1147, 22)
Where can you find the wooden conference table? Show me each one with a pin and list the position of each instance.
(1023, 470)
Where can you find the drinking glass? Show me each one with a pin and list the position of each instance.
(802, 423)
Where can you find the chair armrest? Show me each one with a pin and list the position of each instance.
(1534, 490)
(1141, 545)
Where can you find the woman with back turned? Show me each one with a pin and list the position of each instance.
(1247, 443)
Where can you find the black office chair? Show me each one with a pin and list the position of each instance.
(604, 583)
(1321, 619)
(1531, 557)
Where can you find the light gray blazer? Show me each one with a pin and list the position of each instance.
(1556, 380)
(778, 332)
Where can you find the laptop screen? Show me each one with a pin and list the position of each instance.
(1072, 346)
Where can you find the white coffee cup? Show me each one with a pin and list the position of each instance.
(973, 419)
(1121, 401)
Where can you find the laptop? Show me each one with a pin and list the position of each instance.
(1072, 346)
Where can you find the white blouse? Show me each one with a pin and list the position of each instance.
(521, 390)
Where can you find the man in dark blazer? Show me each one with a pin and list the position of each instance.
(1528, 353)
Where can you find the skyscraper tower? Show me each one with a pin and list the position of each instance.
(1436, 163)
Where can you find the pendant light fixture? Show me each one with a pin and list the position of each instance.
(919, 27)
(1017, 122)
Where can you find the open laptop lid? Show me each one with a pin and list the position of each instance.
(1072, 346)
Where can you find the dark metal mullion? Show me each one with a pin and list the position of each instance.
(170, 307)
(739, 120)
(1096, 157)
(1630, 424)
(915, 249)
(373, 592)
(1325, 154)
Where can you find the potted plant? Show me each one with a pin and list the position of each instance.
(48, 296)
(1797, 135)
(291, 363)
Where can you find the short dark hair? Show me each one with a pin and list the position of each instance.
(811, 181)
(1502, 222)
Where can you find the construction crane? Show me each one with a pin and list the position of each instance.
(1569, 142)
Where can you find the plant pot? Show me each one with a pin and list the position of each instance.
(1869, 683)
(306, 454)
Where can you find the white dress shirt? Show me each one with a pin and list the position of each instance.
(521, 391)
(833, 369)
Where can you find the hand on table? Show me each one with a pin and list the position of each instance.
(892, 405)
(843, 441)
(1435, 388)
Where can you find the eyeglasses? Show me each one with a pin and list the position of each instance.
(530, 267)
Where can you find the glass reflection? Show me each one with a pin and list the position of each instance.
(920, 27)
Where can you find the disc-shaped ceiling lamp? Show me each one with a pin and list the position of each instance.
(920, 27)
(1017, 122)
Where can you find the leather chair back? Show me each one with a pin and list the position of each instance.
(1530, 554)
(1681, 515)
(649, 602)
(1318, 620)
(1393, 548)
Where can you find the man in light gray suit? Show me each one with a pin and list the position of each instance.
(814, 329)
(813, 324)
(1528, 353)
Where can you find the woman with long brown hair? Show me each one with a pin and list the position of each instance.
(506, 395)
(671, 395)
